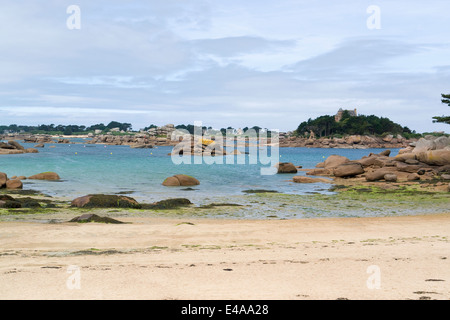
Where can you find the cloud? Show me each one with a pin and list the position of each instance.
(359, 57)
(272, 64)
(235, 46)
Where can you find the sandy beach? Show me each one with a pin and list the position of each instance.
(405, 257)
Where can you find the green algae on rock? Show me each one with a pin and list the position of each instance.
(85, 218)
(105, 201)
(167, 204)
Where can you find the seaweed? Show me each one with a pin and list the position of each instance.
(85, 218)
(259, 191)
(111, 201)
(167, 204)
(212, 205)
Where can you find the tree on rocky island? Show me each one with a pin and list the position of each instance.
(443, 119)
(122, 126)
(348, 124)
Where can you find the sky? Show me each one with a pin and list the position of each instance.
(242, 63)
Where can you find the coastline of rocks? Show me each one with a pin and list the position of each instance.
(347, 142)
(426, 161)
(13, 147)
(162, 136)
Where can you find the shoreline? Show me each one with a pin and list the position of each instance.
(137, 138)
(380, 240)
(196, 259)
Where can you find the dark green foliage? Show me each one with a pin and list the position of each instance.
(150, 127)
(443, 119)
(363, 125)
(64, 129)
(121, 126)
(189, 128)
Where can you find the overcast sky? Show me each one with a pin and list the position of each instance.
(223, 62)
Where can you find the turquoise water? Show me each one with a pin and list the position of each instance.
(86, 169)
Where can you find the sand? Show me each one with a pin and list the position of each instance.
(405, 257)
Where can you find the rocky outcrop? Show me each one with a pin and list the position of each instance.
(37, 139)
(319, 172)
(434, 157)
(390, 177)
(159, 136)
(7, 201)
(286, 167)
(14, 184)
(3, 179)
(347, 142)
(141, 146)
(16, 145)
(303, 179)
(349, 169)
(429, 165)
(378, 174)
(334, 160)
(431, 143)
(89, 217)
(434, 151)
(45, 176)
(180, 180)
(202, 147)
(13, 147)
(9, 183)
(105, 201)
(167, 204)
(140, 140)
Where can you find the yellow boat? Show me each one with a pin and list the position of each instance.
(206, 142)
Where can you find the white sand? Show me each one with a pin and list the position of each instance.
(157, 258)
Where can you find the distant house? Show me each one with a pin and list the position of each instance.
(340, 113)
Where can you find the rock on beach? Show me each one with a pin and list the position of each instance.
(105, 201)
(13, 147)
(180, 180)
(348, 170)
(303, 179)
(286, 167)
(45, 176)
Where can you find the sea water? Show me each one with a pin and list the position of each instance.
(139, 173)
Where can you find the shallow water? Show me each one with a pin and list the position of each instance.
(139, 173)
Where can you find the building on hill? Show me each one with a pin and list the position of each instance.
(340, 113)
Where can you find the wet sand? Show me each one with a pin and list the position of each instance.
(406, 257)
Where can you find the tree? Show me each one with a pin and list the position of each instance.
(150, 127)
(327, 126)
(68, 131)
(443, 119)
(121, 126)
(99, 126)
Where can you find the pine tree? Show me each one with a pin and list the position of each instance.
(443, 119)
